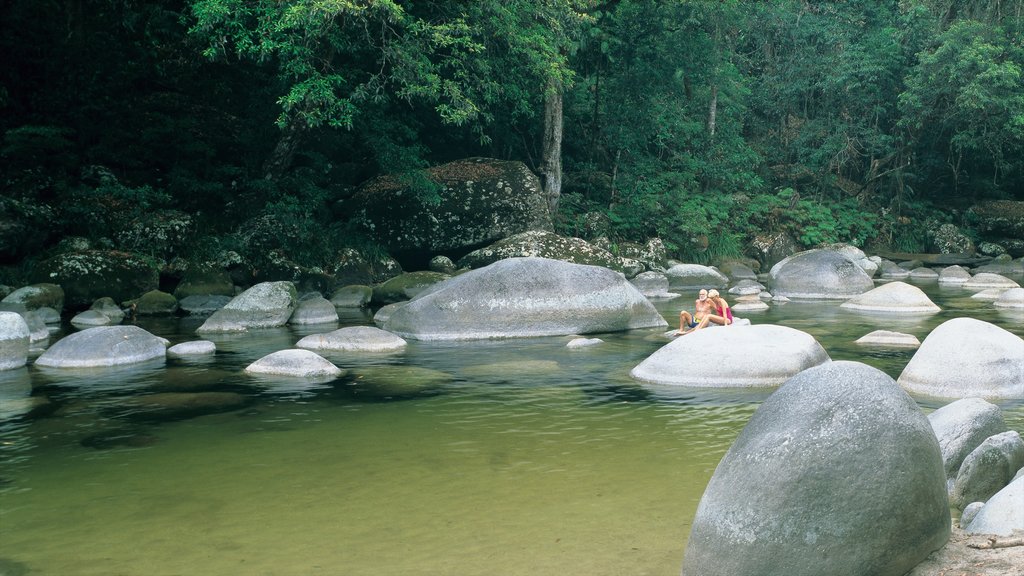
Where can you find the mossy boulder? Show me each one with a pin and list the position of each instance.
(204, 281)
(42, 295)
(92, 274)
(477, 202)
(406, 286)
(538, 243)
(155, 303)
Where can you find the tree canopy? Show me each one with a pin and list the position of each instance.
(704, 123)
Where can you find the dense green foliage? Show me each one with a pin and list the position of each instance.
(190, 127)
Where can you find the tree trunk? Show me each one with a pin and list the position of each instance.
(551, 163)
(280, 160)
(713, 110)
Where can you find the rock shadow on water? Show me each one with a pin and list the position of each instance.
(125, 437)
(396, 382)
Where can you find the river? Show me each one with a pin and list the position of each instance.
(533, 460)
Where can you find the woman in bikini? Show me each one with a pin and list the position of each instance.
(721, 313)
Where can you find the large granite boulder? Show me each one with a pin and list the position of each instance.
(892, 298)
(758, 355)
(961, 427)
(35, 296)
(988, 469)
(819, 275)
(689, 276)
(983, 280)
(104, 346)
(838, 472)
(479, 201)
(88, 275)
(523, 297)
(652, 285)
(14, 339)
(1003, 514)
(1012, 299)
(353, 339)
(265, 305)
(543, 244)
(963, 358)
(954, 274)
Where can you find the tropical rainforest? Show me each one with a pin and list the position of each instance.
(180, 128)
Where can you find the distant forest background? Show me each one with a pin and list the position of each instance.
(178, 129)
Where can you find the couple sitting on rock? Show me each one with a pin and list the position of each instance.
(709, 308)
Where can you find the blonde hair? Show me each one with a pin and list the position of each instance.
(712, 293)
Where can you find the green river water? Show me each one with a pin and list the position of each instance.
(535, 460)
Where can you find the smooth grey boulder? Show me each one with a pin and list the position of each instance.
(193, 348)
(91, 318)
(690, 276)
(819, 275)
(954, 274)
(924, 273)
(652, 285)
(888, 338)
(314, 309)
(48, 315)
(983, 280)
(352, 296)
(837, 472)
(759, 355)
(1003, 514)
(580, 343)
(295, 363)
(962, 426)
(524, 297)
(969, 512)
(108, 308)
(14, 340)
(963, 358)
(1012, 299)
(988, 469)
(892, 298)
(353, 339)
(104, 346)
(265, 305)
(747, 287)
(989, 294)
(891, 270)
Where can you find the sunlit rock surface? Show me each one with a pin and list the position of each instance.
(838, 472)
(964, 358)
(819, 275)
(522, 297)
(892, 298)
(265, 305)
(104, 346)
(758, 355)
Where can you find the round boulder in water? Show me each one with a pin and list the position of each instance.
(353, 339)
(893, 298)
(838, 472)
(1012, 299)
(314, 309)
(963, 358)
(524, 297)
(104, 346)
(297, 363)
(983, 280)
(759, 355)
(688, 276)
(819, 275)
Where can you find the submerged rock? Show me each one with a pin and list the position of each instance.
(745, 356)
(837, 472)
(964, 358)
(104, 346)
(397, 382)
(522, 297)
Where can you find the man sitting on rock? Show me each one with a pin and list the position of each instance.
(701, 308)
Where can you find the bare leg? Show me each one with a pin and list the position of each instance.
(685, 319)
